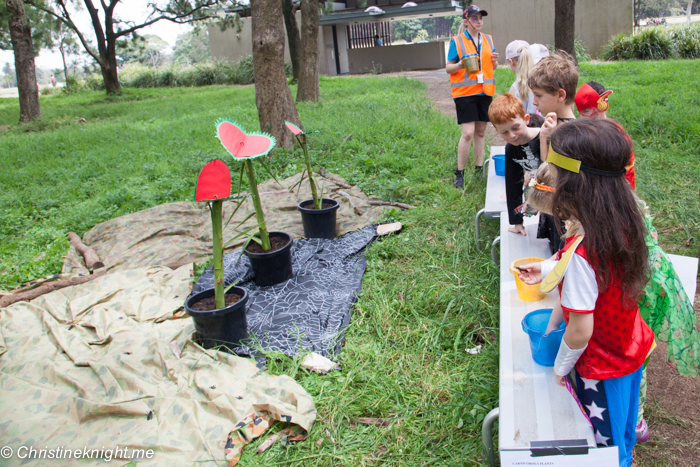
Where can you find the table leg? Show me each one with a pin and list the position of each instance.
(477, 225)
(496, 241)
(487, 435)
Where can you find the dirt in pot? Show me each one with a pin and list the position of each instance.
(276, 243)
(209, 303)
(323, 205)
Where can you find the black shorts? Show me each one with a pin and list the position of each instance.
(473, 108)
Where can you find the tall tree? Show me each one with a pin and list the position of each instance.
(565, 26)
(293, 39)
(109, 30)
(23, 47)
(192, 47)
(67, 45)
(309, 89)
(272, 94)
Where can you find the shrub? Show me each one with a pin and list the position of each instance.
(655, 44)
(580, 49)
(652, 44)
(244, 70)
(686, 39)
(48, 91)
(582, 54)
(95, 82)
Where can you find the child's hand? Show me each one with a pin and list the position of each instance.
(550, 123)
(559, 380)
(518, 229)
(494, 59)
(530, 273)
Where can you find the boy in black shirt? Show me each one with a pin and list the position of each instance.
(508, 116)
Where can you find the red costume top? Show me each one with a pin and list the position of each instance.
(621, 340)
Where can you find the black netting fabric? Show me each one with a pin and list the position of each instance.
(311, 310)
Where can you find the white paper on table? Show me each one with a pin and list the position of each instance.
(600, 457)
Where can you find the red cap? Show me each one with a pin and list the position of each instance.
(588, 98)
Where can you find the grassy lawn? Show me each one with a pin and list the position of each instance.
(428, 293)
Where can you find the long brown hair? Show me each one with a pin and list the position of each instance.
(604, 205)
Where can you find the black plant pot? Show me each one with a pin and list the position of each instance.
(318, 223)
(272, 267)
(225, 327)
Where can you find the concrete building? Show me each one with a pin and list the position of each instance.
(346, 35)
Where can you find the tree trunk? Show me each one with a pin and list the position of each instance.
(690, 9)
(272, 95)
(23, 48)
(290, 21)
(309, 89)
(62, 48)
(564, 26)
(108, 64)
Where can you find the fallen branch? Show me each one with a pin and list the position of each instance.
(375, 202)
(267, 444)
(29, 295)
(92, 261)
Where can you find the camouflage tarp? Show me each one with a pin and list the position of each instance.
(180, 233)
(110, 365)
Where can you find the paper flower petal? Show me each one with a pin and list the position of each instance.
(243, 145)
(213, 182)
(293, 128)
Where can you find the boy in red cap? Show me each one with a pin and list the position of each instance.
(592, 102)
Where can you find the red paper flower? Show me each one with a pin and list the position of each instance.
(213, 182)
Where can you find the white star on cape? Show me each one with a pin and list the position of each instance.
(590, 384)
(595, 411)
(600, 439)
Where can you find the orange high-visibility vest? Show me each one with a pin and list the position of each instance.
(468, 85)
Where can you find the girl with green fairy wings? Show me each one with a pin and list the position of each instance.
(665, 307)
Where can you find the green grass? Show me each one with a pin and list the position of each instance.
(428, 293)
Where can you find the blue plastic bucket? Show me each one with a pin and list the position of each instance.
(499, 161)
(544, 348)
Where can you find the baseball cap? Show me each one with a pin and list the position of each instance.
(513, 48)
(539, 51)
(588, 98)
(473, 10)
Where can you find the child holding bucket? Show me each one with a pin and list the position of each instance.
(665, 307)
(601, 272)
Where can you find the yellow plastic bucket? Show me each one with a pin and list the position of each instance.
(528, 293)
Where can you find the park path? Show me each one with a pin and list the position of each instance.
(672, 407)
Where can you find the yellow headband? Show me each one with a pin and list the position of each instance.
(575, 166)
(566, 163)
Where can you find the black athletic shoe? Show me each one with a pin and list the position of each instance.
(459, 178)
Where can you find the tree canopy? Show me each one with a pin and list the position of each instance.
(192, 47)
(109, 27)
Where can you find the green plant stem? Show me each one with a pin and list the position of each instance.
(264, 237)
(312, 182)
(217, 234)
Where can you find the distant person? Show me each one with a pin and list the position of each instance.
(53, 80)
(522, 58)
(378, 42)
(471, 60)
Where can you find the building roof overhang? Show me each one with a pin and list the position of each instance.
(394, 13)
